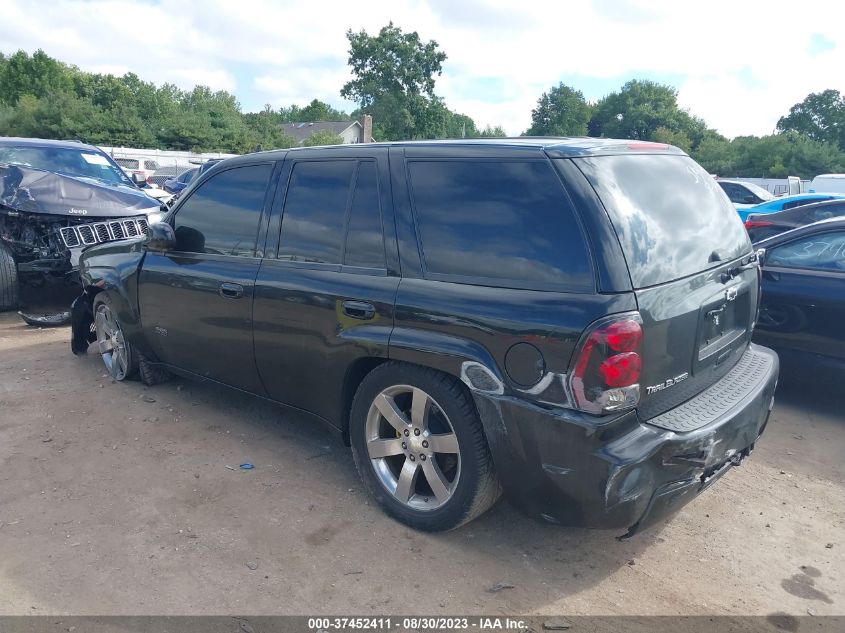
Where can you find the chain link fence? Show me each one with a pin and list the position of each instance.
(159, 165)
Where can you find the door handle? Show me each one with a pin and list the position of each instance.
(230, 290)
(359, 310)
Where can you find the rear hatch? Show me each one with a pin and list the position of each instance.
(692, 268)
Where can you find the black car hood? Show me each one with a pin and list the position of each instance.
(38, 191)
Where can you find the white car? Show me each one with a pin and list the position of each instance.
(142, 166)
(744, 194)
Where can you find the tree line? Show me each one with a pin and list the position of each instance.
(810, 140)
(393, 79)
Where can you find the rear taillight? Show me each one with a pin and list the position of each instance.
(756, 224)
(605, 373)
(149, 180)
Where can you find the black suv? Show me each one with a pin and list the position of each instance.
(565, 319)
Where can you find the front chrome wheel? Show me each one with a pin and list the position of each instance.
(412, 447)
(111, 344)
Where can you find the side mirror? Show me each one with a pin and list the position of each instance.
(160, 237)
(139, 179)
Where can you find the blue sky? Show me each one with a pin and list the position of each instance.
(739, 65)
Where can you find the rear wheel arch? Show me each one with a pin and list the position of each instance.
(355, 374)
(476, 487)
(361, 368)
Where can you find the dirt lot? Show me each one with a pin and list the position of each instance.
(119, 499)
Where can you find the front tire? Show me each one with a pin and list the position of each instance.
(9, 286)
(420, 448)
(118, 356)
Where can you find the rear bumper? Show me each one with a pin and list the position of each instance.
(622, 473)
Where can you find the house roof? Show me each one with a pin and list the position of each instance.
(301, 131)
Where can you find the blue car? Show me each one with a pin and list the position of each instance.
(178, 183)
(786, 202)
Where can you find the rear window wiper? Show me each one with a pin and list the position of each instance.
(746, 263)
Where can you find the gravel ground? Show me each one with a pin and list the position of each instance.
(121, 499)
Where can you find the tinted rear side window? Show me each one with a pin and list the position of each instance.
(507, 222)
(315, 211)
(823, 213)
(671, 217)
(364, 237)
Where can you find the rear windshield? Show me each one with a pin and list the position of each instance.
(671, 217)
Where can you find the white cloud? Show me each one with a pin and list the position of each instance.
(739, 65)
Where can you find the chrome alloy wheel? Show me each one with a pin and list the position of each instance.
(413, 447)
(110, 342)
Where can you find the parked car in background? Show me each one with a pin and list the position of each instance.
(199, 172)
(469, 315)
(803, 307)
(207, 165)
(766, 225)
(787, 202)
(57, 198)
(744, 194)
(828, 183)
(178, 183)
(143, 167)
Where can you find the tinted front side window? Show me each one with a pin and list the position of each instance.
(503, 221)
(222, 215)
(670, 215)
(824, 251)
(315, 211)
(364, 237)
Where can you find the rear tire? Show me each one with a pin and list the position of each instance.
(152, 374)
(420, 449)
(9, 285)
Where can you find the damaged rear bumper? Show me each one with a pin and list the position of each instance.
(622, 473)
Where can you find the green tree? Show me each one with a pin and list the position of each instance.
(389, 63)
(637, 110)
(678, 139)
(323, 137)
(38, 74)
(265, 130)
(772, 156)
(460, 126)
(493, 132)
(393, 80)
(562, 111)
(716, 155)
(820, 116)
(320, 111)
